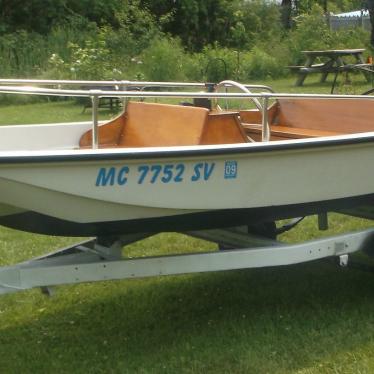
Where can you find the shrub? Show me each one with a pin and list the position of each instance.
(164, 60)
(218, 63)
(258, 64)
(22, 54)
(311, 33)
(93, 61)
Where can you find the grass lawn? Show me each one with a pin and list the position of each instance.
(46, 112)
(310, 318)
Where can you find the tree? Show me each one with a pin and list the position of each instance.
(195, 22)
(370, 7)
(324, 4)
(31, 15)
(41, 15)
(229, 23)
(286, 13)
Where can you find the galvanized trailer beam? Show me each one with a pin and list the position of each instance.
(89, 262)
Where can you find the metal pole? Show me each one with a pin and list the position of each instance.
(95, 121)
(265, 122)
(323, 222)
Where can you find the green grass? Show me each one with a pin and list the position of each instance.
(309, 318)
(47, 112)
(354, 85)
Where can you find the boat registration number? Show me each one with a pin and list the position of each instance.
(158, 173)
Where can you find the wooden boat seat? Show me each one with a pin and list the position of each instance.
(223, 128)
(279, 132)
(153, 125)
(309, 118)
(347, 116)
(149, 124)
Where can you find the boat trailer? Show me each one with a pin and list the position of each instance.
(100, 259)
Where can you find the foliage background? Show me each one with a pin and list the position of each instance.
(165, 39)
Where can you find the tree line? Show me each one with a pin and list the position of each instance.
(207, 40)
(230, 23)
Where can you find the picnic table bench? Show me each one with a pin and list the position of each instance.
(334, 62)
(104, 102)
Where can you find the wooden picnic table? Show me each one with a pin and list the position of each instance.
(104, 102)
(332, 61)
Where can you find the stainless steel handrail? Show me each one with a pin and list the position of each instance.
(90, 83)
(119, 83)
(170, 94)
(95, 121)
(242, 87)
(265, 120)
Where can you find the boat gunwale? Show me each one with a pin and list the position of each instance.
(110, 154)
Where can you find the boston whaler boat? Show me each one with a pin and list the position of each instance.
(188, 167)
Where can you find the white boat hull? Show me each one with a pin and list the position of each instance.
(114, 191)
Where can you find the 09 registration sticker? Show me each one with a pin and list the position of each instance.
(231, 169)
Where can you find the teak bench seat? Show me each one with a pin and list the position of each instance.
(279, 132)
(300, 68)
(305, 118)
(160, 125)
